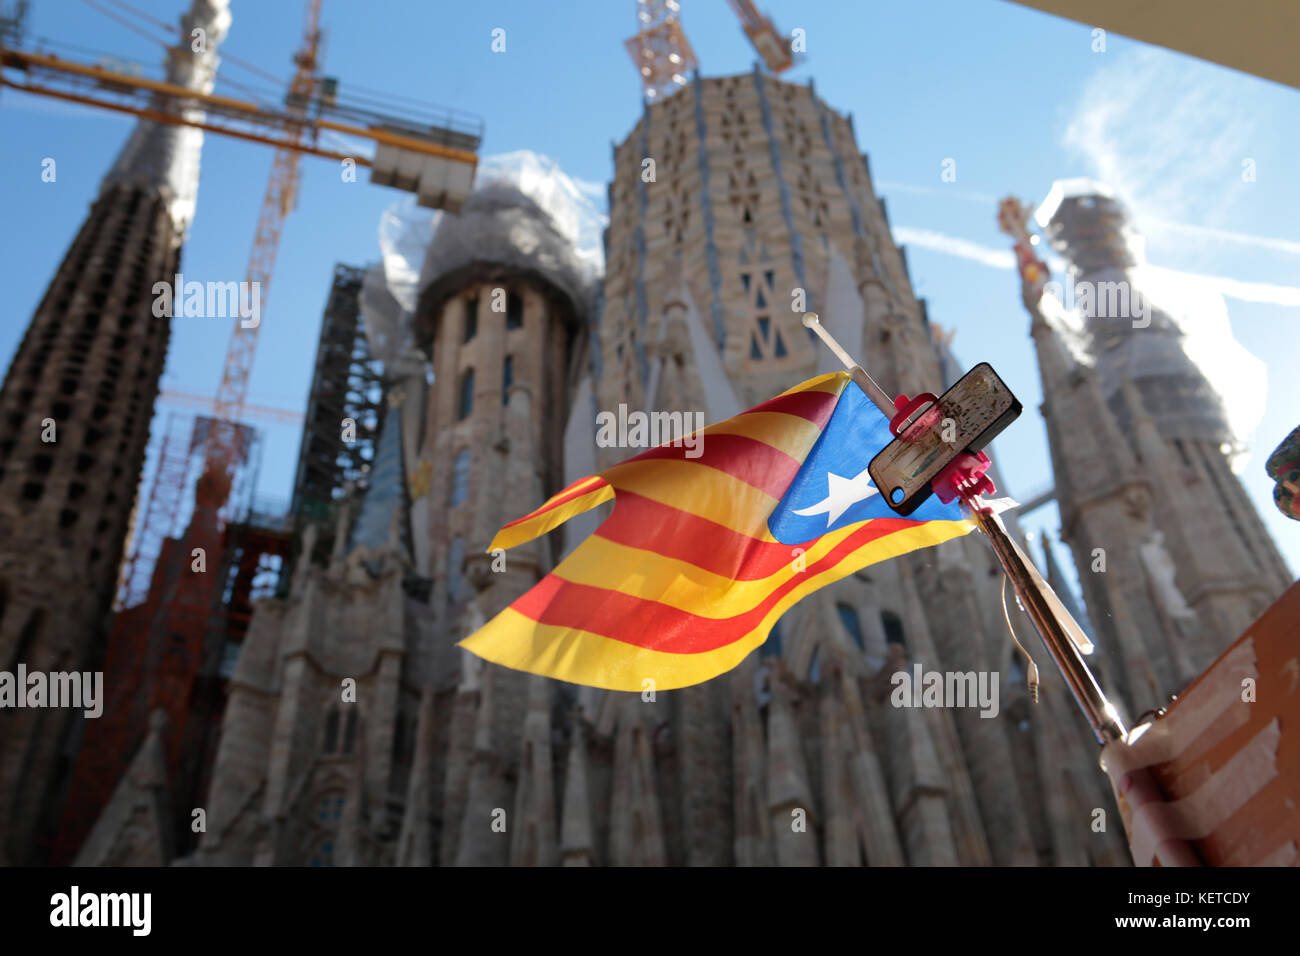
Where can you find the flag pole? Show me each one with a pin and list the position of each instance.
(1061, 634)
(859, 375)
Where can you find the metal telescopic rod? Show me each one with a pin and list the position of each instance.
(1058, 629)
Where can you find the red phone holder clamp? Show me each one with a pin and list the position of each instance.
(907, 407)
(964, 477)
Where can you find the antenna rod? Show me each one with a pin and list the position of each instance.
(859, 375)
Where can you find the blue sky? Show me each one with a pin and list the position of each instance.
(1016, 98)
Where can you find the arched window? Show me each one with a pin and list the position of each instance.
(331, 743)
(329, 811)
(460, 478)
(467, 394)
(350, 730)
(323, 855)
(849, 618)
(507, 378)
(455, 575)
(815, 668)
(471, 318)
(514, 311)
(893, 625)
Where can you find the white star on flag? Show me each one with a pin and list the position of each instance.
(843, 494)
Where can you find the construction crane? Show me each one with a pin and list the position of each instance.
(776, 50)
(663, 56)
(277, 201)
(660, 50)
(208, 405)
(436, 161)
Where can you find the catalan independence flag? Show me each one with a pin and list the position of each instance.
(700, 556)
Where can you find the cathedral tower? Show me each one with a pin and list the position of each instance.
(77, 402)
(1206, 558)
(737, 204)
(501, 319)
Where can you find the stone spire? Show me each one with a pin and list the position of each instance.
(577, 844)
(415, 842)
(164, 156)
(532, 841)
(967, 827)
(1104, 501)
(89, 364)
(636, 836)
(135, 828)
(789, 795)
(753, 831)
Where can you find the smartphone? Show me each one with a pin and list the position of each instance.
(965, 418)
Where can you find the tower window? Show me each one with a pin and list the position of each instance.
(514, 311)
(471, 318)
(331, 731)
(323, 854)
(467, 394)
(349, 731)
(460, 478)
(330, 809)
(893, 625)
(455, 573)
(849, 618)
(507, 378)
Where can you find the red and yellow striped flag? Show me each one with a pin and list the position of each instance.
(702, 555)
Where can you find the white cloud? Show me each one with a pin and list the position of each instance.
(1004, 259)
(888, 186)
(1246, 291)
(1152, 224)
(1168, 134)
(951, 245)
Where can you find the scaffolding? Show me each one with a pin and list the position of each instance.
(345, 409)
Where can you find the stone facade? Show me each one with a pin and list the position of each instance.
(796, 758)
(358, 733)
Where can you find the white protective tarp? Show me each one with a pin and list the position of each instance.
(577, 210)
